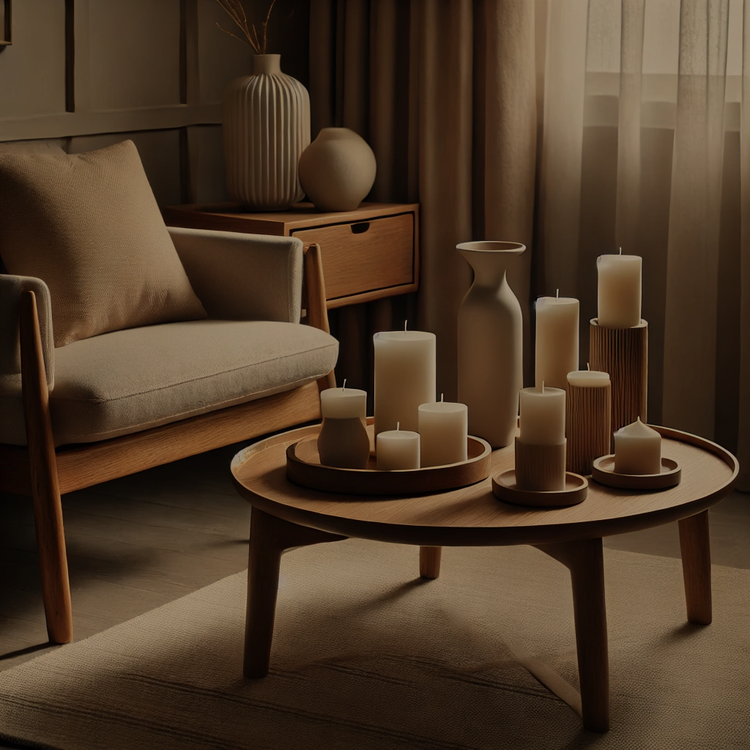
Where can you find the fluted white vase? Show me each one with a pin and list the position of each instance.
(266, 129)
(490, 343)
(337, 170)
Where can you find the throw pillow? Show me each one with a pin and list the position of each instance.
(89, 226)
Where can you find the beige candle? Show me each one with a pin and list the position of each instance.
(637, 449)
(343, 441)
(619, 290)
(397, 449)
(556, 340)
(443, 432)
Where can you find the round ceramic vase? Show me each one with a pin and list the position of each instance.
(337, 170)
(266, 129)
(490, 343)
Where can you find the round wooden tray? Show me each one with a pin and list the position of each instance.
(602, 471)
(303, 467)
(504, 488)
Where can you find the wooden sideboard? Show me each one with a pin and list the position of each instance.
(367, 254)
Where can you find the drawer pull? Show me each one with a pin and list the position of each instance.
(360, 228)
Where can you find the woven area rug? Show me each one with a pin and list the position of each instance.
(367, 656)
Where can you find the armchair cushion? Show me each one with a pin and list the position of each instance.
(89, 226)
(131, 380)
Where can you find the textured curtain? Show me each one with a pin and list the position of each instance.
(444, 92)
(645, 147)
(577, 127)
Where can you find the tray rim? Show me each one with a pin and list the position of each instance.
(399, 482)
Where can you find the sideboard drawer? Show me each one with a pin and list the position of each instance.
(365, 256)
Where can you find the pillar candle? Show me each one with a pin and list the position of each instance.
(405, 376)
(588, 378)
(343, 441)
(588, 418)
(397, 449)
(444, 433)
(556, 340)
(542, 416)
(619, 291)
(637, 449)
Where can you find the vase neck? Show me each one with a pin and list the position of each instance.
(267, 64)
(489, 267)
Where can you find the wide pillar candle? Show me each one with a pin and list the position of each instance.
(637, 449)
(619, 290)
(405, 377)
(556, 340)
(444, 433)
(397, 450)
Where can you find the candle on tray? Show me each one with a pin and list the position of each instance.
(343, 441)
(444, 432)
(556, 339)
(542, 416)
(405, 376)
(540, 446)
(397, 449)
(637, 449)
(588, 418)
(619, 291)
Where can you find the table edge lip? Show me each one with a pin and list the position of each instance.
(483, 535)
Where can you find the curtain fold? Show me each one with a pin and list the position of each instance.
(577, 127)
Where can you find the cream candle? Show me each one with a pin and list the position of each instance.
(619, 291)
(405, 377)
(343, 441)
(542, 418)
(556, 339)
(444, 433)
(397, 449)
(637, 449)
(588, 378)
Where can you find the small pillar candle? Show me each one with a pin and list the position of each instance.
(444, 433)
(619, 290)
(405, 377)
(556, 340)
(343, 441)
(542, 417)
(397, 449)
(637, 449)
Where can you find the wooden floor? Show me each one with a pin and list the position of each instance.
(140, 542)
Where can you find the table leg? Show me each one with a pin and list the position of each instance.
(585, 561)
(696, 567)
(269, 537)
(429, 561)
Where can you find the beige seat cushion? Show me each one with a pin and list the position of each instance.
(89, 226)
(132, 380)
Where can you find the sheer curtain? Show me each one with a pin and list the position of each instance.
(577, 127)
(645, 146)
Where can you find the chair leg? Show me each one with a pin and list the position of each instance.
(44, 483)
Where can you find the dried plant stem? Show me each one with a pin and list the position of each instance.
(236, 12)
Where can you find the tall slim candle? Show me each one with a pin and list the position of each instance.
(556, 340)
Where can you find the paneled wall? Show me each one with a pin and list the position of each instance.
(88, 73)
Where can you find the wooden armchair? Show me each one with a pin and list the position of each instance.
(125, 400)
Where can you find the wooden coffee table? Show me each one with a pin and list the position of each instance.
(285, 515)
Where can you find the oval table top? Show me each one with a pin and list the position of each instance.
(472, 515)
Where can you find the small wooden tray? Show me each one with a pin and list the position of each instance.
(602, 471)
(303, 467)
(576, 488)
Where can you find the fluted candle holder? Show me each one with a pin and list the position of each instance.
(540, 468)
(623, 353)
(588, 422)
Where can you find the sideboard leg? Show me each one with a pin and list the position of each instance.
(269, 537)
(585, 561)
(429, 561)
(696, 567)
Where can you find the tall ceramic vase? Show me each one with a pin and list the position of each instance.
(490, 343)
(266, 129)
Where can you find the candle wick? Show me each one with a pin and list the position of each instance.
(588, 365)
(344, 385)
(398, 426)
(542, 386)
(557, 294)
(620, 251)
(441, 399)
(406, 322)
